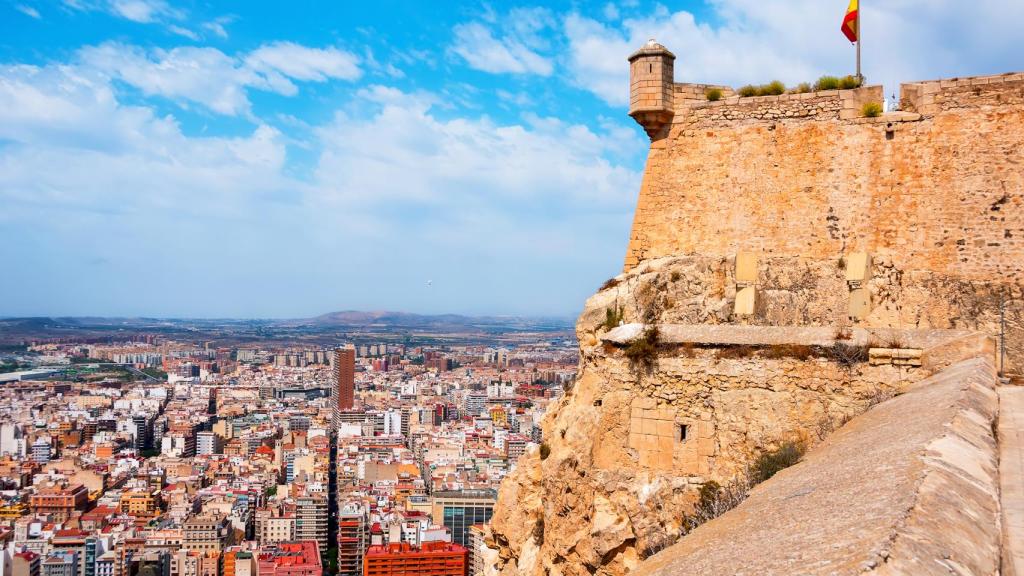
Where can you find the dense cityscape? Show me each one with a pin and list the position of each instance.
(149, 455)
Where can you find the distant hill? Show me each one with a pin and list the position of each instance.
(20, 329)
(408, 320)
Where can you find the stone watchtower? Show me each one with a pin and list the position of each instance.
(651, 86)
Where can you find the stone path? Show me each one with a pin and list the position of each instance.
(1011, 477)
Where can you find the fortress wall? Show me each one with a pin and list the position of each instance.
(942, 193)
(936, 196)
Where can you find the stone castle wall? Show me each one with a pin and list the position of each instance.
(936, 191)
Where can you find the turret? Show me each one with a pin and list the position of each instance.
(651, 85)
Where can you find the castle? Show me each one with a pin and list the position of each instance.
(794, 261)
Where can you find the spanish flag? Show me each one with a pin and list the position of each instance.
(849, 27)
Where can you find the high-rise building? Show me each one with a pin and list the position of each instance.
(41, 449)
(460, 509)
(475, 563)
(345, 373)
(207, 443)
(429, 559)
(311, 519)
(352, 539)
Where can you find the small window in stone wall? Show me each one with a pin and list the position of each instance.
(684, 432)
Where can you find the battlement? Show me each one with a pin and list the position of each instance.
(933, 96)
(657, 101)
(825, 104)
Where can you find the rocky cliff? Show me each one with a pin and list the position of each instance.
(627, 448)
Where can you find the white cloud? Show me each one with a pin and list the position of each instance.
(214, 79)
(28, 11)
(218, 26)
(144, 11)
(515, 48)
(183, 32)
(304, 63)
(203, 75)
(114, 157)
(403, 152)
(799, 40)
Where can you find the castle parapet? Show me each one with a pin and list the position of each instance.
(822, 105)
(934, 96)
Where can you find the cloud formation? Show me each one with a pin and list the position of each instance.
(214, 79)
(512, 47)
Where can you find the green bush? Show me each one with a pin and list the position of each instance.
(770, 463)
(747, 91)
(773, 88)
(644, 350)
(713, 94)
(872, 109)
(801, 88)
(827, 83)
(545, 451)
(849, 82)
(612, 317)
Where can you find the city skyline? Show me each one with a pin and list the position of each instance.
(193, 160)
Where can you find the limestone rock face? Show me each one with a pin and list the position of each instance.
(630, 446)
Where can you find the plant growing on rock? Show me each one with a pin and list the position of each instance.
(827, 83)
(713, 94)
(871, 109)
(847, 354)
(849, 82)
(747, 91)
(770, 463)
(612, 317)
(773, 88)
(643, 351)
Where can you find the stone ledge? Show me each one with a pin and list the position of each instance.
(736, 335)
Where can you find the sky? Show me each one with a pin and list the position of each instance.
(287, 159)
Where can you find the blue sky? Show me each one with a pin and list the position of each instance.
(270, 159)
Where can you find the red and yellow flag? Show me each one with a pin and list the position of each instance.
(849, 27)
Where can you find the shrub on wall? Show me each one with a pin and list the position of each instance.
(872, 109)
(713, 94)
(827, 83)
(801, 88)
(849, 82)
(747, 91)
(773, 88)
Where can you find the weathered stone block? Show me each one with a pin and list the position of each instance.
(746, 268)
(746, 299)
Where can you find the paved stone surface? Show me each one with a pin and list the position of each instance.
(1011, 477)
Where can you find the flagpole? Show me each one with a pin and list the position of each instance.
(860, 78)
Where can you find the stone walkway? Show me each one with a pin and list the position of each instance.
(1011, 477)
